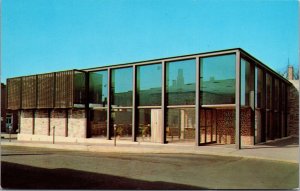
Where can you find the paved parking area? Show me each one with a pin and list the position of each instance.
(44, 168)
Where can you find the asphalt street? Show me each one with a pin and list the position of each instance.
(39, 168)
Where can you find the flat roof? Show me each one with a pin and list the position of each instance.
(182, 57)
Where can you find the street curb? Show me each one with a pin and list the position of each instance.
(141, 150)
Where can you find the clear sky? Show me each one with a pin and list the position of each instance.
(40, 36)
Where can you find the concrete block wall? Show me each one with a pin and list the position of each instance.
(74, 126)
(26, 122)
(41, 122)
(293, 109)
(77, 123)
(59, 120)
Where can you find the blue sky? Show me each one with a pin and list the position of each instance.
(40, 36)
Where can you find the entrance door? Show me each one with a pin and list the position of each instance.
(208, 130)
(9, 123)
(156, 126)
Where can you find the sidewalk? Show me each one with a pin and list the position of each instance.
(286, 149)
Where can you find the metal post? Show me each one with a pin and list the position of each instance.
(10, 127)
(197, 112)
(108, 103)
(163, 102)
(237, 100)
(115, 135)
(134, 123)
(53, 133)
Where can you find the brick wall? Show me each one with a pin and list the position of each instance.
(226, 126)
(41, 123)
(293, 108)
(26, 122)
(77, 123)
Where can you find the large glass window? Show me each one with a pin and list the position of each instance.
(247, 83)
(269, 113)
(276, 94)
(98, 89)
(180, 124)
(269, 91)
(259, 106)
(180, 83)
(276, 113)
(121, 87)
(122, 118)
(98, 122)
(149, 85)
(217, 83)
(283, 97)
(149, 125)
(79, 87)
(259, 80)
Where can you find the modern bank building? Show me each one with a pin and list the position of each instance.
(220, 97)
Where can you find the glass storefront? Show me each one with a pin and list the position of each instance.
(98, 89)
(121, 87)
(247, 83)
(217, 80)
(98, 123)
(149, 85)
(180, 82)
(180, 125)
(149, 125)
(122, 118)
(269, 107)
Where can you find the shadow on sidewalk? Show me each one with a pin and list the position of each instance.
(16, 176)
(286, 143)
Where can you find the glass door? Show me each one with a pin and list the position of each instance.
(208, 131)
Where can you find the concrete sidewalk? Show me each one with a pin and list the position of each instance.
(286, 149)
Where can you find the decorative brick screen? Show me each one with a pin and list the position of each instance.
(14, 93)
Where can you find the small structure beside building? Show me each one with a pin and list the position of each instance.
(9, 118)
(293, 102)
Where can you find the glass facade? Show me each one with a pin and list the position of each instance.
(247, 83)
(122, 118)
(121, 87)
(98, 123)
(98, 88)
(260, 95)
(165, 107)
(150, 125)
(180, 82)
(217, 80)
(269, 107)
(180, 124)
(208, 129)
(79, 88)
(276, 114)
(259, 106)
(149, 85)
